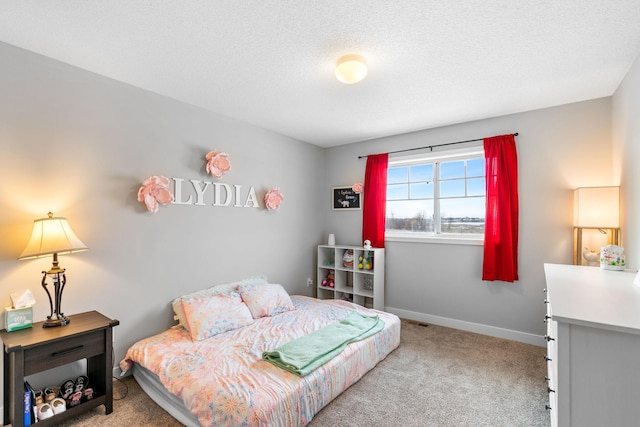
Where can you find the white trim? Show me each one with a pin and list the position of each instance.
(450, 154)
(456, 239)
(467, 153)
(477, 328)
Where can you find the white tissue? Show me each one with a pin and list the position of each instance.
(22, 299)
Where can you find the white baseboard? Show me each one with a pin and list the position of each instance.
(478, 328)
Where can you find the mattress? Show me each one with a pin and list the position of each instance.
(151, 384)
(224, 381)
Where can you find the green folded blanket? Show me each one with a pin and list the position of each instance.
(302, 355)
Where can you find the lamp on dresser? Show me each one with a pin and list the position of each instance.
(53, 236)
(596, 208)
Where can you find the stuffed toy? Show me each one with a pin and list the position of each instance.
(347, 258)
(328, 281)
(365, 261)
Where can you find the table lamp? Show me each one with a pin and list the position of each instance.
(595, 208)
(53, 236)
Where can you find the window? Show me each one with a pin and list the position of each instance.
(437, 195)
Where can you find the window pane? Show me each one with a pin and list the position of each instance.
(397, 192)
(476, 187)
(421, 191)
(421, 173)
(453, 188)
(462, 215)
(475, 167)
(397, 175)
(452, 170)
(416, 216)
(412, 202)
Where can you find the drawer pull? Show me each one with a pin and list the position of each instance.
(548, 338)
(549, 390)
(546, 301)
(546, 318)
(547, 407)
(545, 290)
(69, 350)
(547, 358)
(547, 379)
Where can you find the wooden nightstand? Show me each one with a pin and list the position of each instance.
(28, 351)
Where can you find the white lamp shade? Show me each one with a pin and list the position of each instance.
(596, 207)
(51, 235)
(351, 69)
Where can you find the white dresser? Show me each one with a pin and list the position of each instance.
(593, 346)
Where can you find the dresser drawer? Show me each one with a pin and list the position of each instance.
(67, 350)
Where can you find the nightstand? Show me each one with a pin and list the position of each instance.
(28, 351)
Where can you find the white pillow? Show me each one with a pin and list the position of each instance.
(265, 299)
(226, 288)
(214, 314)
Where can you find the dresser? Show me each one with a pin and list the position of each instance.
(593, 346)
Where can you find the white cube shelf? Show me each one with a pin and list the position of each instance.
(357, 283)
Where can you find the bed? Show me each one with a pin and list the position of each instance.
(222, 378)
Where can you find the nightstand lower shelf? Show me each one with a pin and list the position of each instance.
(72, 412)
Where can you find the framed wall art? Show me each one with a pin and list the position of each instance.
(344, 198)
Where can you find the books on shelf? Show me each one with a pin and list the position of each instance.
(30, 408)
(27, 405)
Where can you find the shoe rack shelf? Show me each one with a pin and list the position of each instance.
(360, 282)
(28, 351)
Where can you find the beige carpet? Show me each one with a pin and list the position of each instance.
(437, 377)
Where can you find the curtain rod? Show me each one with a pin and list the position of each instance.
(430, 147)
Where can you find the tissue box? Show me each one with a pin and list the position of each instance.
(18, 318)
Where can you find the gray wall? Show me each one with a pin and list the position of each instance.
(80, 145)
(559, 149)
(626, 142)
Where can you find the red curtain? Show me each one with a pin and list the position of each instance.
(374, 211)
(501, 227)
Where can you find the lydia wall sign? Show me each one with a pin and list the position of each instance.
(155, 190)
(223, 194)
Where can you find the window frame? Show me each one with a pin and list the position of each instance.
(447, 155)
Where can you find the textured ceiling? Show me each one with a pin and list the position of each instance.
(270, 62)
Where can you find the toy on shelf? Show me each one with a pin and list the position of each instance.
(328, 281)
(365, 261)
(330, 260)
(347, 258)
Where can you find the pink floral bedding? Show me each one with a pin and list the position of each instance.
(224, 381)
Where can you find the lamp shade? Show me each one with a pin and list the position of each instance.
(351, 69)
(596, 207)
(51, 235)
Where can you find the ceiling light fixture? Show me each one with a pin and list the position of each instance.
(351, 69)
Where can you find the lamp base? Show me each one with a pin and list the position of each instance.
(56, 318)
(613, 238)
(49, 323)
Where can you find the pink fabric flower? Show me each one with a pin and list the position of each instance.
(357, 188)
(153, 191)
(217, 163)
(273, 198)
